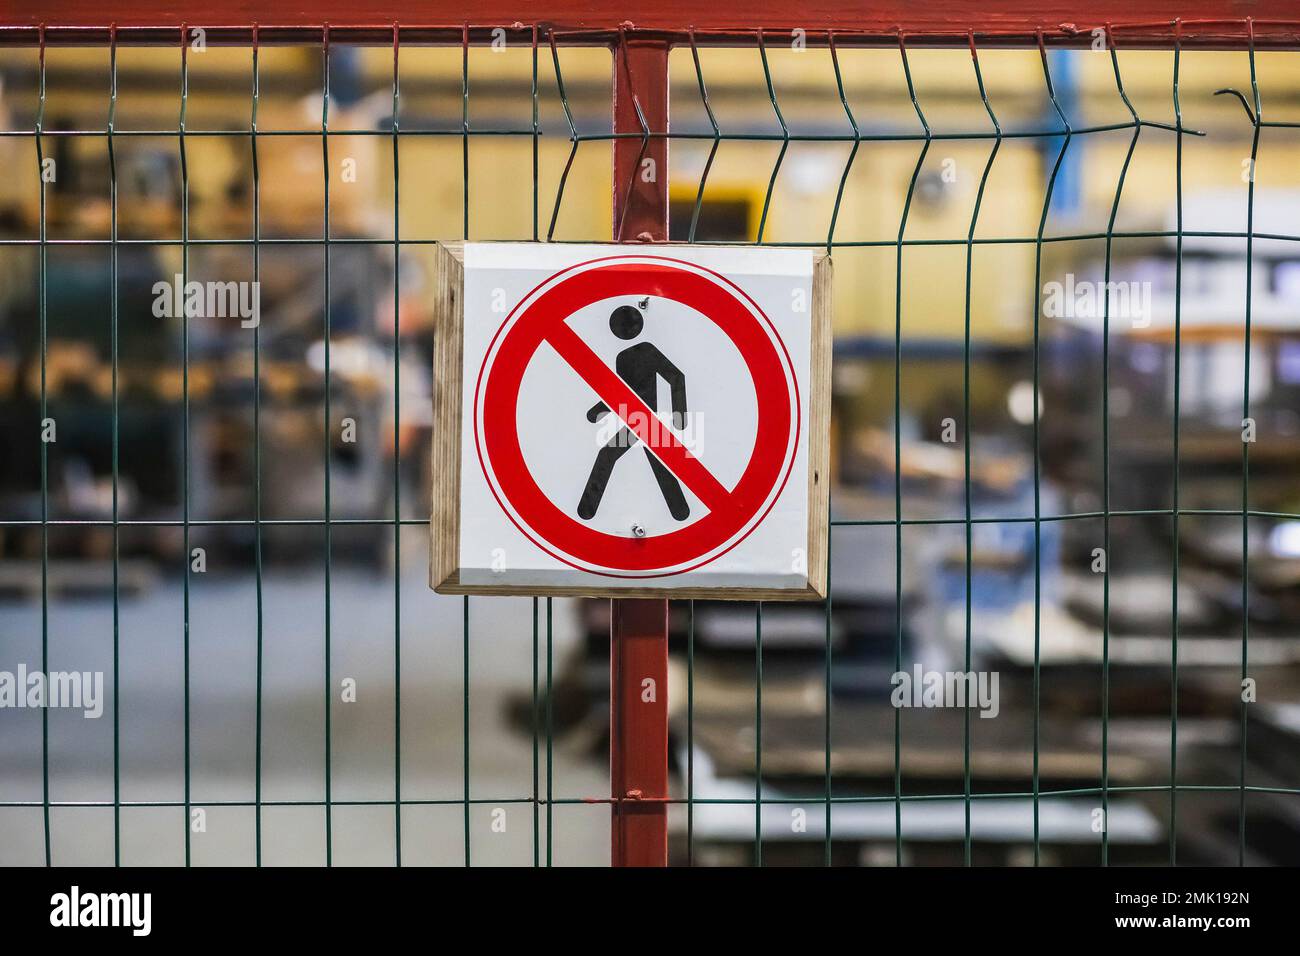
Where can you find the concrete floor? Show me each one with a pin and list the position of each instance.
(223, 739)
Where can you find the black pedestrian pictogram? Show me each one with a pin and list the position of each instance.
(640, 366)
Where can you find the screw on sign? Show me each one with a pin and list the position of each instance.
(620, 423)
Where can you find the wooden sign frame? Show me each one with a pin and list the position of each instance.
(448, 394)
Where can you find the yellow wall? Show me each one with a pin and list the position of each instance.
(501, 187)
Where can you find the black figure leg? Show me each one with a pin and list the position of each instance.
(600, 471)
(671, 490)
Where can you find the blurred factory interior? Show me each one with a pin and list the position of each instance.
(259, 450)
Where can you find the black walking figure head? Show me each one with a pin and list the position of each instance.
(626, 322)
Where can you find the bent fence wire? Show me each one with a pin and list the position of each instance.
(545, 57)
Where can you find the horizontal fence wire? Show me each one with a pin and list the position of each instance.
(681, 801)
(835, 522)
(545, 212)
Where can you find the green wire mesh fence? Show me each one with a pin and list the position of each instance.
(1057, 137)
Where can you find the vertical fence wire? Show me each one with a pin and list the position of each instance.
(536, 132)
(1176, 501)
(785, 139)
(966, 430)
(1107, 556)
(257, 446)
(574, 138)
(535, 722)
(898, 442)
(43, 318)
(550, 233)
(758, 733)
(116, 441)
(535, 714)
(853, 152)
(1038, 444)
(828, 674)
(328, 430)
(1245, 445)
(550, 736)
(185, 438)
(713, 149)
(690, 733)
(397, 460)
(828, 651)
(464, 120)
(690, 627)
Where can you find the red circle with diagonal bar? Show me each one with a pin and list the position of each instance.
(733, 513)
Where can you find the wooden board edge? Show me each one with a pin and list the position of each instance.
(448, 358)
(819, 427)
(447, 584)
(452, 586)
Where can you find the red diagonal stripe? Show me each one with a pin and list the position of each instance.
(615, 393)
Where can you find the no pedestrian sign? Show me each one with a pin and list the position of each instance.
(624, 420)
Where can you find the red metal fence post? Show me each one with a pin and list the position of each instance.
(638, 629)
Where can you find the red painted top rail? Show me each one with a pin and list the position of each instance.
(1201, 23)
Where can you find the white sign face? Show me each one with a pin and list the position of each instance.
(637, 418)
